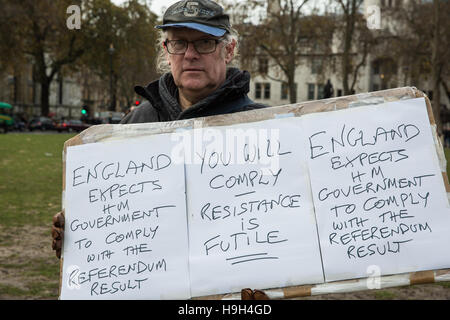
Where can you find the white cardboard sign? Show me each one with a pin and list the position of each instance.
(126, 235)
(282, 202)
(250, 213)
(378, 190)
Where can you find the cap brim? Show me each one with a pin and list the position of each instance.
(217, 32)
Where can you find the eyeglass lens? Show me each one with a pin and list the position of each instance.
(201, 46)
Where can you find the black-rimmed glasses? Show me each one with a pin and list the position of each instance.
(202, 46)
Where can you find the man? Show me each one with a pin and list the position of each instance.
(328, 90)
(198, 45)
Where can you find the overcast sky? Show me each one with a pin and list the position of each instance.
(157, 6)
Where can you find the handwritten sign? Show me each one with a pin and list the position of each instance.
(250, 212)
(275, 203)
(126, 233)
(378, 190)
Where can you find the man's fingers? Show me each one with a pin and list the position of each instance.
(56, 234)
(246, 294)
(55, 219)
(56, 244)
(260, 295)
(249, 294)
(58, 220)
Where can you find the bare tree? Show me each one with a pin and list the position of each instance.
(422, 47)
(438, 55)
(39, 30)
(129, 31)
(356, 41)
(286, 36)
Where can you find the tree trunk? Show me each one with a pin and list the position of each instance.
(45, 92)
(44, 80)
(436, 68)
(113, 86)
(292, 88)
(350, 19)
(292, 92)
(346, 55)
(346, 66)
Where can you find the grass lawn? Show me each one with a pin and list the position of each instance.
(30, 177)
(30, 194)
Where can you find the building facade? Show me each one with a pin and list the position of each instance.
(68, 93)
(379, 72)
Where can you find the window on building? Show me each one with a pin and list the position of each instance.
(258, 90)
(266, 90)
(339, 93)
(303, 40)
(320, 92)
(376, 67)
(375, 87)
(284, 91)
(316, 65)
(263, 65)
(12, 81)
(311, 91)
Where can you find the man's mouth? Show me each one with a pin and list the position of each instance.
(192, 69)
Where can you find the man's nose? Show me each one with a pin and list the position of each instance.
(190, 51)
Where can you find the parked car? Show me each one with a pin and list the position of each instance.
(41, 123)
(110, 117)
(72, 125)
(19, 124)
(6, 120)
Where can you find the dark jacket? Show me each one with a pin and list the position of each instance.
(162, 103)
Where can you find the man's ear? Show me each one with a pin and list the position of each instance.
(230, 51)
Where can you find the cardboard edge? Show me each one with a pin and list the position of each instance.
(74, 141)
(438, 145)
(298, 109)
(421, 277)
(297, 291)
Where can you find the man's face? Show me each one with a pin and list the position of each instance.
(195, 74)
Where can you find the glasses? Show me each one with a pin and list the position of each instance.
(202, 46)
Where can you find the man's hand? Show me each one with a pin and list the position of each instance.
(58, 233)
(249, 294)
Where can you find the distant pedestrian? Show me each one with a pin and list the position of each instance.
(328, 90)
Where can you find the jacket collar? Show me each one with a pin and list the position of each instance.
(163, 95)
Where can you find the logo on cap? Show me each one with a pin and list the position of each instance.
(202, 15)
(193, 10)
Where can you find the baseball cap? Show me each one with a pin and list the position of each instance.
(202, 15)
